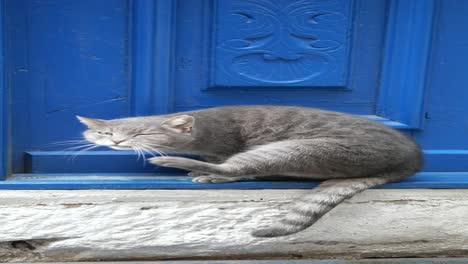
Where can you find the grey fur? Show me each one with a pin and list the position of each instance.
(350, 153)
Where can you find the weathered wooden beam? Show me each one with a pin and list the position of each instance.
(215, 224)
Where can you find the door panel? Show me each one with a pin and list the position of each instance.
(62, 64)
(313, 53)
(446, 117)
(281, 43)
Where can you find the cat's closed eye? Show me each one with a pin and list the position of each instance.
(148, 134)
(104, 133)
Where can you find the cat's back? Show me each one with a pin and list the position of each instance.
(249, 126)
(278, 116)
(266, 122)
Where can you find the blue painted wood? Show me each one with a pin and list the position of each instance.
(406, 57)
(17, 72)
(436, 180)
(90, 162)
(153, 30)
(196, 87)
(65, 58)
(388, 122)
(127, 162)
(281, 43)
(440, 160)
(165, 21)
(4, 109)
(142, 31)
(446, 104)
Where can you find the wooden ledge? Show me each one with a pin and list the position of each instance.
(110, 225)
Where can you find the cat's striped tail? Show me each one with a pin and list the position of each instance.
(309, 208)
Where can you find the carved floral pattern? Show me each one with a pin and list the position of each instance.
(280, 42)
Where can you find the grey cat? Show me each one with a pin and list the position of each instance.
(350, 153)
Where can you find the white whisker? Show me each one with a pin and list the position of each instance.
(77, 147)
(134, 148)
(65, 143)
(148, 150)
(152, 150)
(140, 152)
(83, 150)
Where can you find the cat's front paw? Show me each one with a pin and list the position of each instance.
(175, 162)
(215, 179)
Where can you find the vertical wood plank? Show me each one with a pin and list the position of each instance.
(406, 57)
(153, 35)
(4, 150)
(142, 54)
(164, 47)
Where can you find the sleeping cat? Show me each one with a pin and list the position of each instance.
(349, 153)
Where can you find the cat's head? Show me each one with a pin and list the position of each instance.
(140, 133)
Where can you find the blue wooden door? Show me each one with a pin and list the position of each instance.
(279, 52)
(387, 60)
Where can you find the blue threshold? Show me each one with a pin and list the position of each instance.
(77, 181)
(121, 170)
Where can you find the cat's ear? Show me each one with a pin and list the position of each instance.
(180, 123)
(90, 122)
